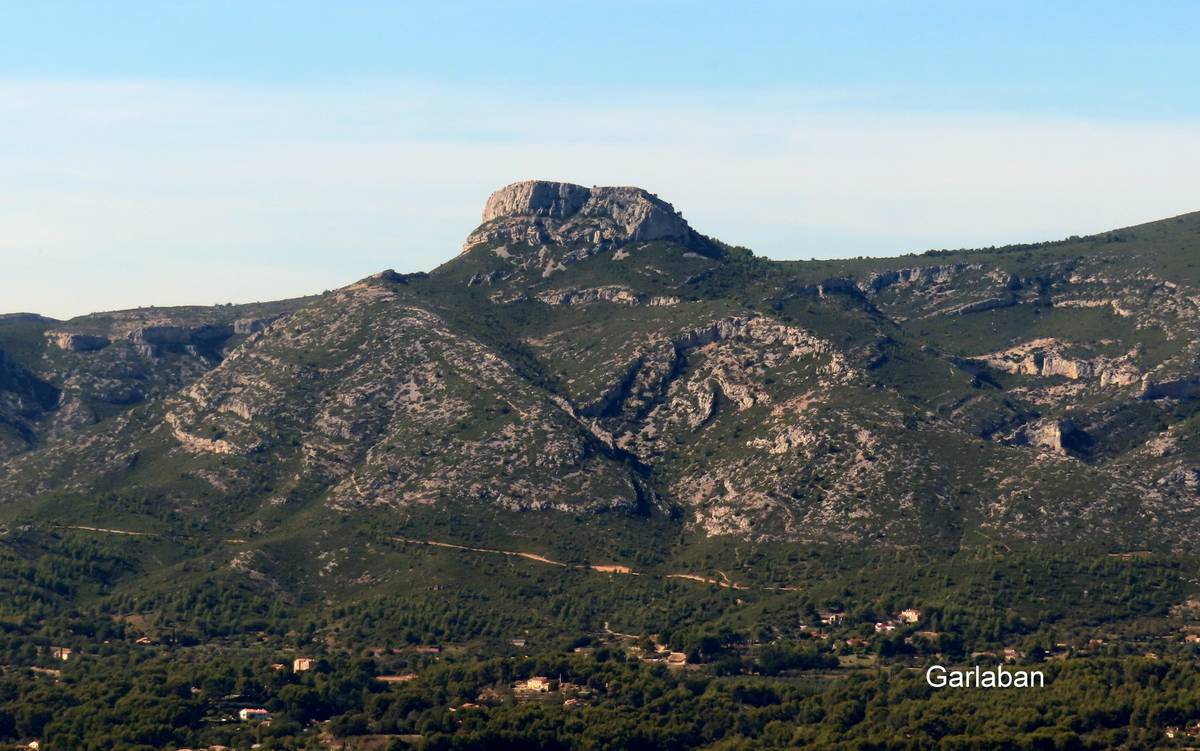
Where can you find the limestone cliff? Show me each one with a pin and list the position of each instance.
(539, 212)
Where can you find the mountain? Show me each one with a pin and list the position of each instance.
(595, 433)
(589, 351)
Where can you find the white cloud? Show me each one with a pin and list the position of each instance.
(126, 193)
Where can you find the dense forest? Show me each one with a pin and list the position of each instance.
(92, 659)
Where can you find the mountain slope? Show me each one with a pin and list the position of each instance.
(590, 353)
(100, 365)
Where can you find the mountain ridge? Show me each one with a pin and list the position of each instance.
(892, 402)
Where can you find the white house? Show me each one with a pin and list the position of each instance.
(909, 615)
(253, 713)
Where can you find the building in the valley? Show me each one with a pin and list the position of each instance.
(909, 615)
(538, 683)
(247, 714)
(300, 664)
(535, 685)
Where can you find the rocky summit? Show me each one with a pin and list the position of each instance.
(589, 353)
(537, 212)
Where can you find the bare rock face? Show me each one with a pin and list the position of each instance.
(1046, 357)
(608, 294)
(917, 276)
(1056, 436)
(160, 335)
(535, 198)
(1048, 434)
(1185, 388)
(251, 325)
(73, 342)
(537, 212)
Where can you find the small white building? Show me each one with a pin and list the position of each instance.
(300, 664)
(535, 685)
(253, 713)
(909, 615)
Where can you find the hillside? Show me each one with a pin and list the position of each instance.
(95, 366)
(589, 351)
(595, 428)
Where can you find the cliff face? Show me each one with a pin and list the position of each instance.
(538, 212)
(535, 198)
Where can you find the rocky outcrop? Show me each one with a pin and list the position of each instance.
(198, 444)
(211, 334)
(74, 342)
(764, 331)
(1184, 388)
(916, 276)
(1057, 436)
(1046, 357)
(539, 213)
(251, 325)
(609, 294)
(1110, 372)
(536, 198)
(391, 276)
(838, 286)
(1048, 434)
(153, 340)
(991, 303)
(160, 335)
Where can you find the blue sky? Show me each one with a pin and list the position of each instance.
(199, 152)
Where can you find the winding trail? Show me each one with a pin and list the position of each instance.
(528, 556)
(724, 582)
(707, 580)
(601, 568)
(106, 530)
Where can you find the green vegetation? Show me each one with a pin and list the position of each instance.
(694, 491)
(762, 670)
